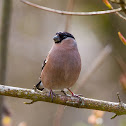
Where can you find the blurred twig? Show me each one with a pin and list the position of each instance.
(122, 4)
(58, 115)
(76, 102)
(121, 63)
(120, 15)
(70, 6)
(118, 1)
(71, 13)
(6, 17)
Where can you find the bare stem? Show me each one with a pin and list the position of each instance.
(71, 13)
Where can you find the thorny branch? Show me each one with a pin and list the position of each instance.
(71, 13)
(117, 108)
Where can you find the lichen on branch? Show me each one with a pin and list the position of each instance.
(117, 108)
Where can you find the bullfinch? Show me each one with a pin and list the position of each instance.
(62, 66)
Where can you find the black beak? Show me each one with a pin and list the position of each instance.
(56, 39)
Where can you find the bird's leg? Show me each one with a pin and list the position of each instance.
(71, 92)
(51, 93)
(75, 95)
(65, 93)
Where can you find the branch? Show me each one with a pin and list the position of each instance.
(117, 108)
(118, 1)
(122, 4)
(71, 13)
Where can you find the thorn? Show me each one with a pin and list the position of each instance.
(114, 116)
(120, 102)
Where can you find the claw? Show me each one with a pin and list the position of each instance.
(65, 93)
(74, 95)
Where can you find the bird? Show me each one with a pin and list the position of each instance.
(62, 66)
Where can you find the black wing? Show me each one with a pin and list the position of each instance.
(44, 63)
(38, 84)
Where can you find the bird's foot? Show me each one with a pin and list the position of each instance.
(75, 95)
(65, 93)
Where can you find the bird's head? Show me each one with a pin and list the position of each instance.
(61, 36)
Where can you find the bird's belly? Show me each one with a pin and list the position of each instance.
(61, 70)
(61, 79)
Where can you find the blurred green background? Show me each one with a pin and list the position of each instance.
(30, 39)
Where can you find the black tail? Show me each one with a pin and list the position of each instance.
(37, 86)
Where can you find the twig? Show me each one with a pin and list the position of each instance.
(6, 20)
(114, 116)
(71, 13)
(64, 100)
(58, 116)
(121, 16)
(120, 103)
(121, 63)
(122, 4)
(118, 1)
(70, 6)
